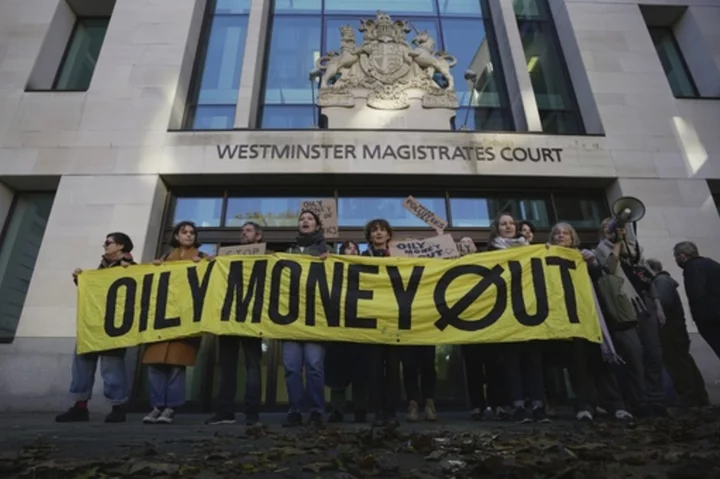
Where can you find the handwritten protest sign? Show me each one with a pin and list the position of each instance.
(326, 210)
(424, 214)
(466, 246)
(442, 246)
(242, 249)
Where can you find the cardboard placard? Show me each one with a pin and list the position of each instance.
(242, 249)
(442, 246)
(466, 246)
(425, 215)
(326, 210)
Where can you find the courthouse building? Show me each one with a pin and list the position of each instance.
(130, 115)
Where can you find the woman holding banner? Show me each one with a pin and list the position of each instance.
(299, 355)
(168, 360)
(523, 360)
(347, 364)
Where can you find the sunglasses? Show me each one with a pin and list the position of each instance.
(108, 243)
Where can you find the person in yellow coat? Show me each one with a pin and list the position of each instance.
(167, 360)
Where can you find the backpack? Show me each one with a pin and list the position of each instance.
(619, 310)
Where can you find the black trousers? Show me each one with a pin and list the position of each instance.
(711, 334)
(385, 374)
(593, 380)
(228, 350)
(524, 371)
(686, 377)
(419, 361)
(484, 373)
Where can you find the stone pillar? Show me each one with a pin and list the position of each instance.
(6, 198)
(36, 366)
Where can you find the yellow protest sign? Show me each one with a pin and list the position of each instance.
(517, 294)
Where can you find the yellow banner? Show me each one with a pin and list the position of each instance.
(510, 295)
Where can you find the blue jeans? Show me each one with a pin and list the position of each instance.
(112, 371)
(297, 355)
(167, 385)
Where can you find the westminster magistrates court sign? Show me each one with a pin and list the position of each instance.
(402, 152)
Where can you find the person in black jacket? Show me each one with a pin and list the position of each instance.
(686, 377)
(702, 286)
(112, 368)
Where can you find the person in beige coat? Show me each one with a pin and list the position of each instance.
(168, 360)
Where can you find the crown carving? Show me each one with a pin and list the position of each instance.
(385, 27)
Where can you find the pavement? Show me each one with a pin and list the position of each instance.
(685, 446)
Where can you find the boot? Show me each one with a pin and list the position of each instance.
(430, 411)
(412, 415)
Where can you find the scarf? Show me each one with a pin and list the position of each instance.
(182, 254)
(504, 243)
(372, 251)
(314, 243)
(603, 251)
(105, 262)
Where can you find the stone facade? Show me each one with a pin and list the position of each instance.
(105, 151)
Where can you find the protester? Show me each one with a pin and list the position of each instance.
(527, 229)
(523, 360)
(419, 360)
(347, 364)
(702, 286)
(687, 380)
(307, 355)
(635, 331)
(168, 360)
(228, 350)
(385, 362)
(118, 247)
(591, 375)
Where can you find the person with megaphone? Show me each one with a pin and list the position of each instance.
(636, 314)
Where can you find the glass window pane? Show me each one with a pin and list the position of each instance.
(223, 60)
(297, 6)
(483, 119)
(358, 211)
(480, 212)
(267, 212)
(81, 56)
(672, 62)
(294, 48)
(391, 7)
(204, 212)
(580, 212)
(531, 9)
(561, 122)
(213, 117)
(232, 6)
(287, 117)
(463, 8)
(470, 212)
(18, 252)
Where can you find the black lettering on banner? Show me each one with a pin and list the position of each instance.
(451, 315)
(145, 301)
(405, 297)
(565, 266)
(128, 310)
(516, 293)
(241, 296)
(161, 300)
(199, 290)
(354, 294)
(330, 296)
(293, 297)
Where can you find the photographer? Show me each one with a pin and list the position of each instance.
(636, 329)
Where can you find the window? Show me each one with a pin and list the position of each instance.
(480, 212)
(357, 211)
(81, 55)
(204, 212)
(556, 102)
(303, 31)
(673, 62)
(214, 93)
(19, 249)
(581, 212)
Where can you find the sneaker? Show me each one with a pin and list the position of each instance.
(476, 414)
(379, 419)
(502, 414)
(430, 411)
(117, 414)
(360, 417)
(489, 415)
(152, 416)
(293, 419)
(540, 415)
(167, 416)
(413, 413)
(521, 415)
(221, 418)
(315, 419)
(74, 414)
(601, 411)
(335, 417)
(584, 416)
(250, 419)
(623, 415)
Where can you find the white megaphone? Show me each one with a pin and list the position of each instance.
(626, 210)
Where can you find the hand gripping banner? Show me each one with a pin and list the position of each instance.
(517, 294)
